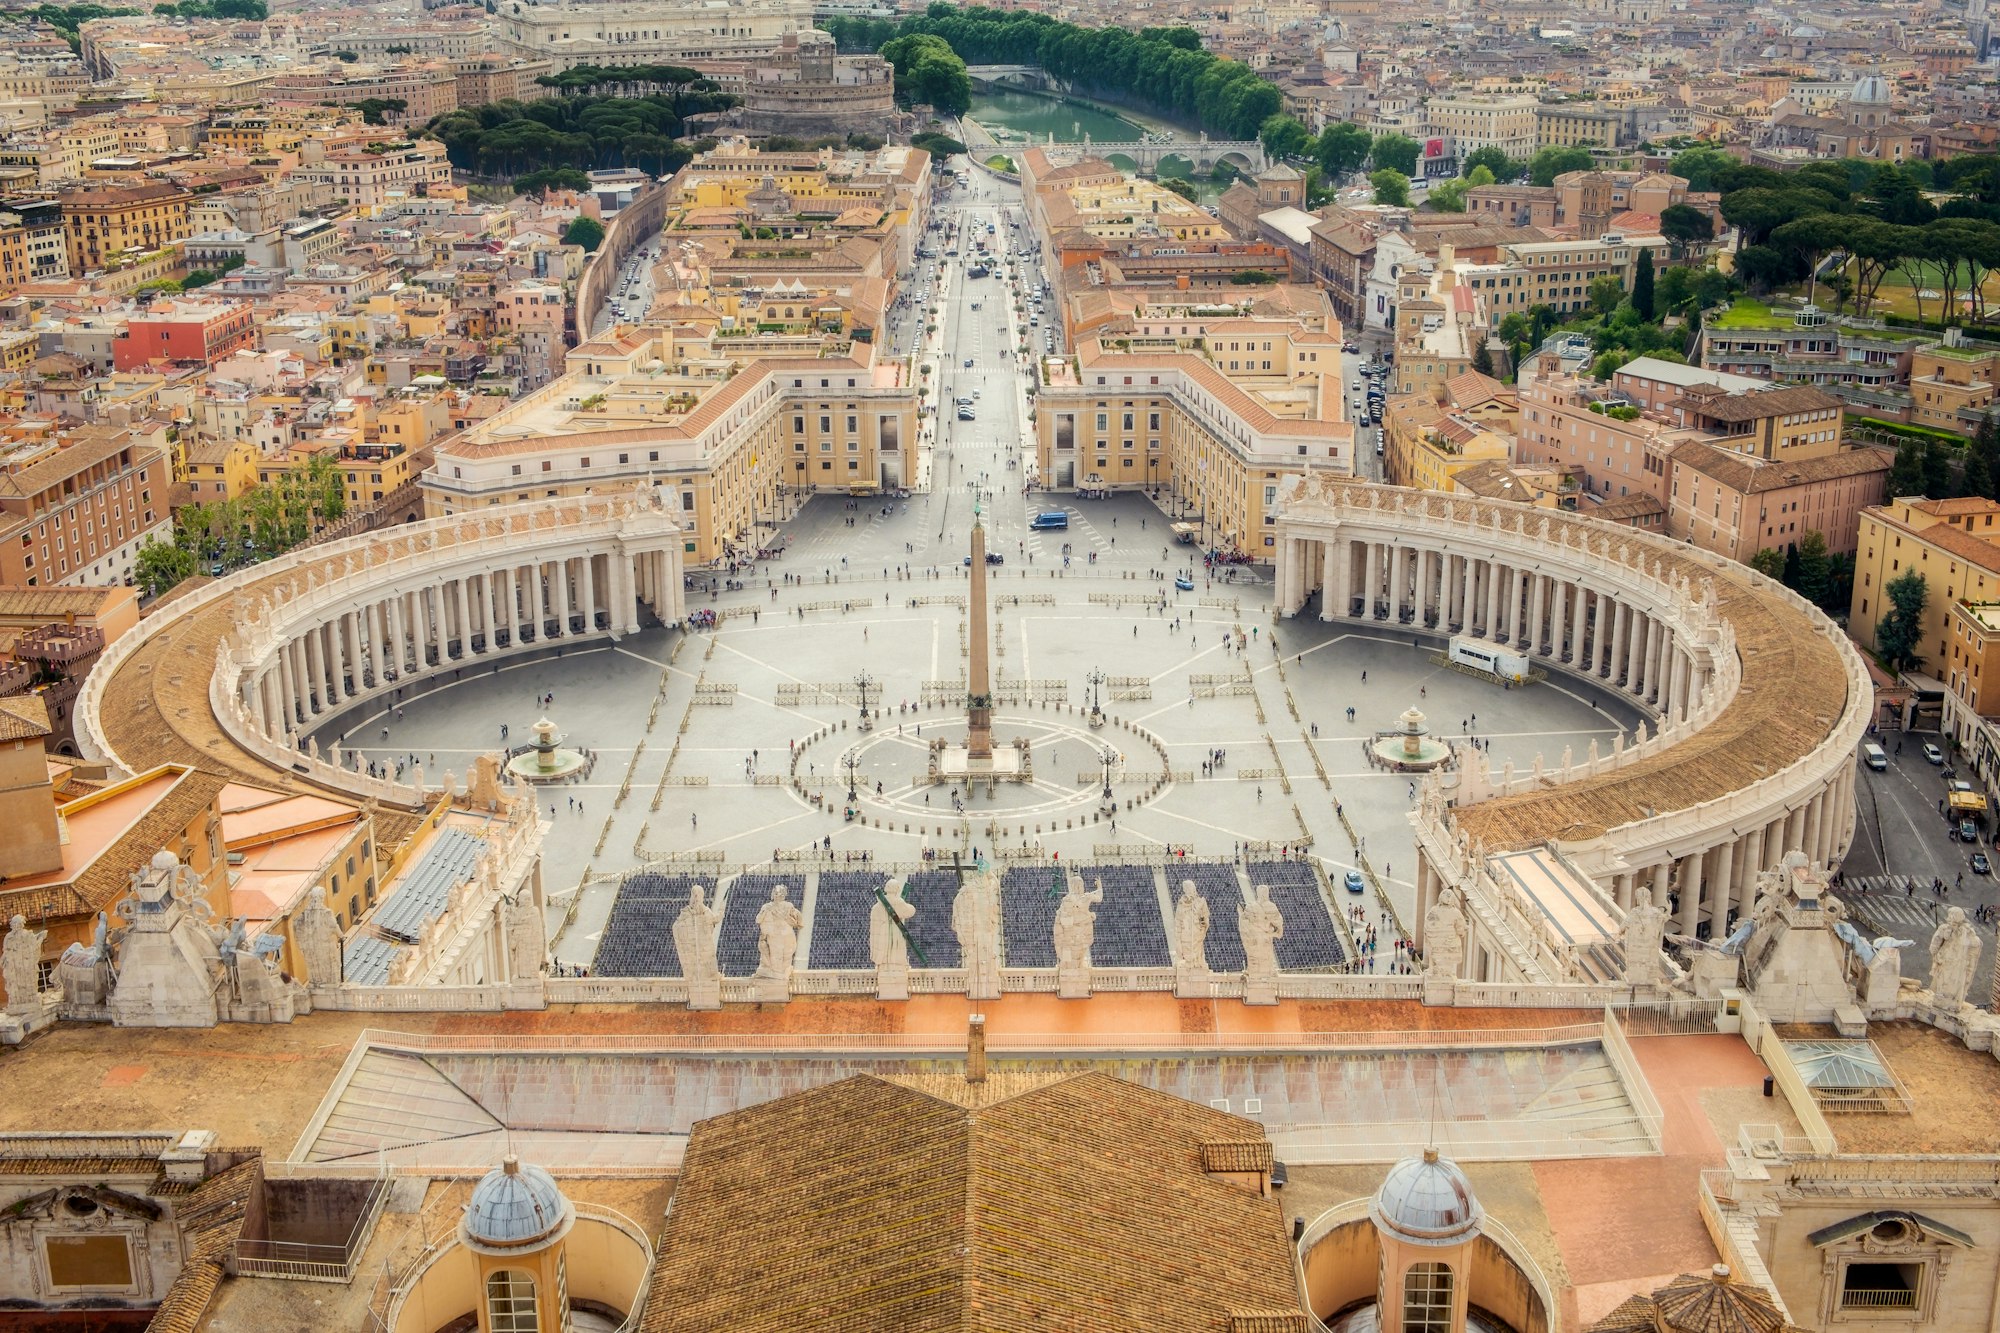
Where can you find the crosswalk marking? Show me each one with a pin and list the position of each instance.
(1885, 901)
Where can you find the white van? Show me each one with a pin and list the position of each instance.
(1874, 756)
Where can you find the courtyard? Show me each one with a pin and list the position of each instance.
(730, 749)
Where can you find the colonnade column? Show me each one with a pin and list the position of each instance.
(1746, 883)
(1690, 892)
(1372, 587)
(590, 594)
(1720, 885)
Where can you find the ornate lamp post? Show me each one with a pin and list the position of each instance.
(864, 683)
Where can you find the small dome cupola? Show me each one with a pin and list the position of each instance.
(515, 1208)
(1427, 1201)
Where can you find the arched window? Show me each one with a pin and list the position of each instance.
(1426, 1298)
(510, 1302)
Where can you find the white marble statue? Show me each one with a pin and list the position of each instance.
(888, 949)
(1191, 923)
(20, 968)
(1645, 928)
(778, 925)
(1075, 932)
(1261, 923)
(1955, 950)
(1444, 936)
(975, 920)
(695, 930)
(1885, 972)
(85, 969)
(316, 932)
(527, 935)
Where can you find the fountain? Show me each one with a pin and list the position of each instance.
(544, 760)
(1411, 749)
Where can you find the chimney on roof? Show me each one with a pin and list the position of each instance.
(975, 1049)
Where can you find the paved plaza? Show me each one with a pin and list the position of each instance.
(775, 675)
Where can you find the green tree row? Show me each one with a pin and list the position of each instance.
(1163, 68)
(215, 9)
(929, 73)
(577, 133)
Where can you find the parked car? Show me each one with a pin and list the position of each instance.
(1932, 753)
(1968, 831)
(992, 558)
(1184, 582)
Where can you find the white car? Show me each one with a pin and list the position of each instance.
(1932, 753)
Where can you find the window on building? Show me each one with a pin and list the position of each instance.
(510, 1303)
(1426, 1299)
(1873, 1286)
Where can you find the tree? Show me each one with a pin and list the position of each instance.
(1482, 358)
(1449, 196)
(1906, 474)
(161, 565)
(587, 232)
(1699, 164)
(1283, 136)
(346, 57)
(1937, 471)
(1252, 277)
(1503, 167)
(1683, 225)
(1642, 284)
(1770, 562)
(1342, 148)
(1549, 163)
(937, 145)
(1896, 634)
(1814, 579)
(1480, 175)
(1397, 151)
(1392, 187)
(1187, 190)
(1605, 293)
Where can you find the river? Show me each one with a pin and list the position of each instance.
(1007, 114)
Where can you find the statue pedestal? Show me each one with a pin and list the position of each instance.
(1072, 983)
(1192, 983)
(1440, 991)
(1260, 988)
(15, 1026)
(705, 994)
(892, 983)
(770, 989)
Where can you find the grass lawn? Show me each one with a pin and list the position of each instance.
(1898, 296)
(1748, 314)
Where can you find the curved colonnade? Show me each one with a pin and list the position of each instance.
(233, 676)
(1758, 699)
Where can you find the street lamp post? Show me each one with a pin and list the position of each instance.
(864, 683)
(1096, 679)
(851, 761)
(1110, 761)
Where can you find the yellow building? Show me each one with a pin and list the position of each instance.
(1426, 446)
(735, 427)
(1219, 409)
(100, 221)
(1953, 544)
(1952, 377)
(220, 469)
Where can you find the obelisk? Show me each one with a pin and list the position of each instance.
(979, 685)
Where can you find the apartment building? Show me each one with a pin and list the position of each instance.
(1867, 364)
(1953, 382)
(1426, 445)
(101, 222)
(1737, 504)
(32, 247)
(794, 418)
(203, 332)
(75, 507)
(1954, 545)
(370, 174)
(1474, 121)
(1216, 408)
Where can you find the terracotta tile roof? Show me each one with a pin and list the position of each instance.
(1628, 507)
(23, 717)
(1081, 1206)
(1470, 388)
(211, 1220)
(1759, 404)
(81, 1168)
(1698, 1303)
(1969, 504)
(1748, 475)
(50, 604)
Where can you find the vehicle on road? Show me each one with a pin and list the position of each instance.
(965, 414)
(1353, 882)
(1184, 582)
(1980, 865)
(992, 558)
(1875, 756)
(1050, 520)
(1932, 754)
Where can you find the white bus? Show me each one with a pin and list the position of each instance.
(1489, 658)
